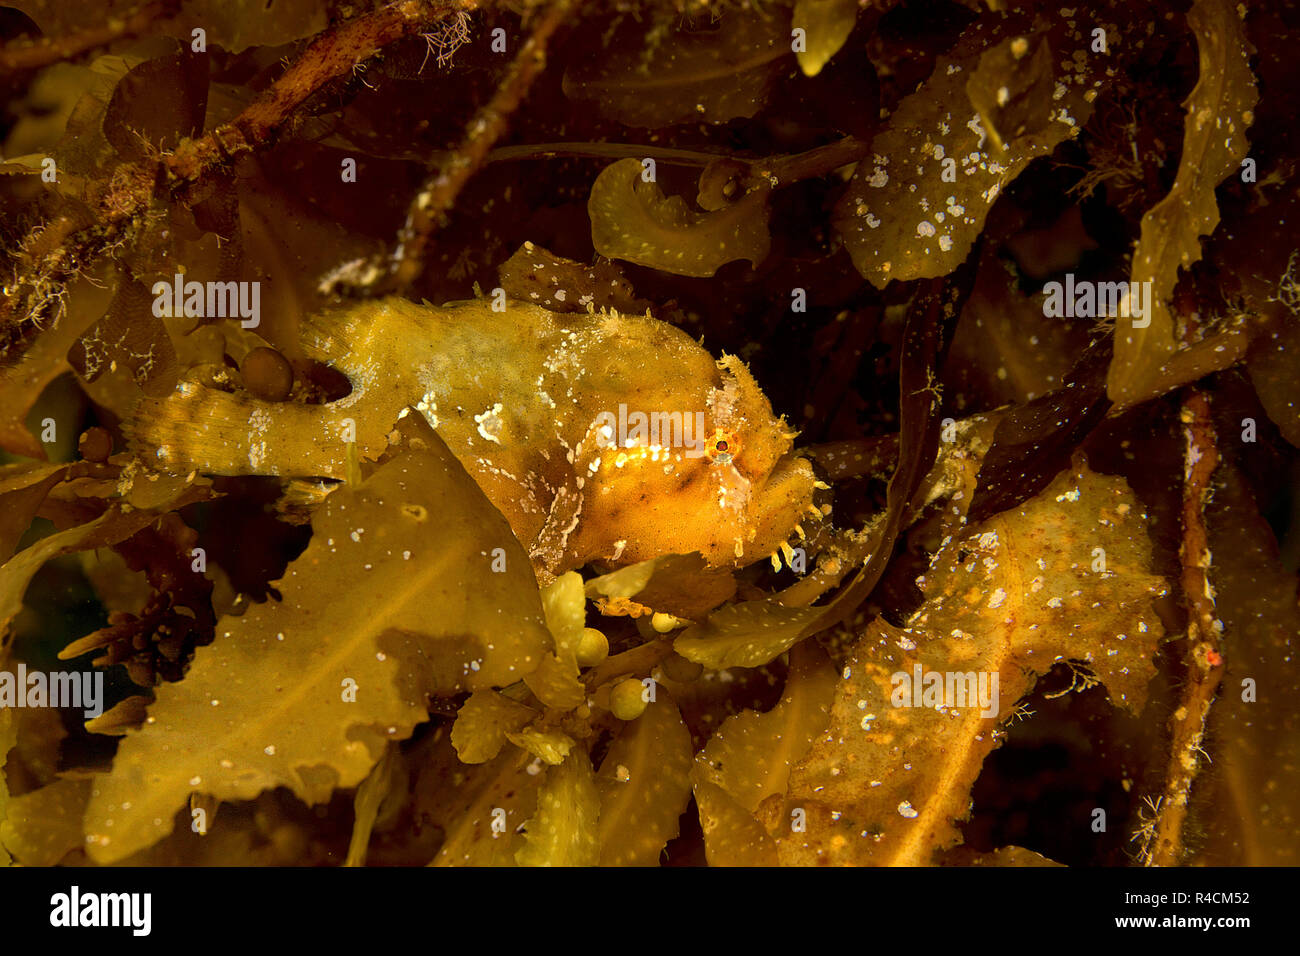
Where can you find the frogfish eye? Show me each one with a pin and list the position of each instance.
(722, 447)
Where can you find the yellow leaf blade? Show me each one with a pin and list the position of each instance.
(291, 696)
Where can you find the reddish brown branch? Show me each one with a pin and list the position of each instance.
(1204, 656)
(333, 54)
(132, 187)
(31, 55)
(437, 196)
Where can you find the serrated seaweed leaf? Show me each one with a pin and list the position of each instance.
(549, 746)
(732, 836)
(631, 219)
(565, 829)
(483, 722)
(749, 760)
(1012, 90)
(290, 697)
(480, 809)
(555, 681)
(644, 783)
(1214, 144)
(916, 207)
(749, 634)
(751, 755)
(41, 827)
(1006, 600)
(22, 489)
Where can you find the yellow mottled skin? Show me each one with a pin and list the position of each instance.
(518, 397)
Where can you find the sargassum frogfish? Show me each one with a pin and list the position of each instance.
(600, 437)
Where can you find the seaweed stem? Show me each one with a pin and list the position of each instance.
(789, 168)
(813, 163)
(32, 55)
(333, 54)
(663, 154)
(428, 211)
(130, 188)
(1204, 656)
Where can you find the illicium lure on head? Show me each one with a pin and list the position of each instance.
(583, 430)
